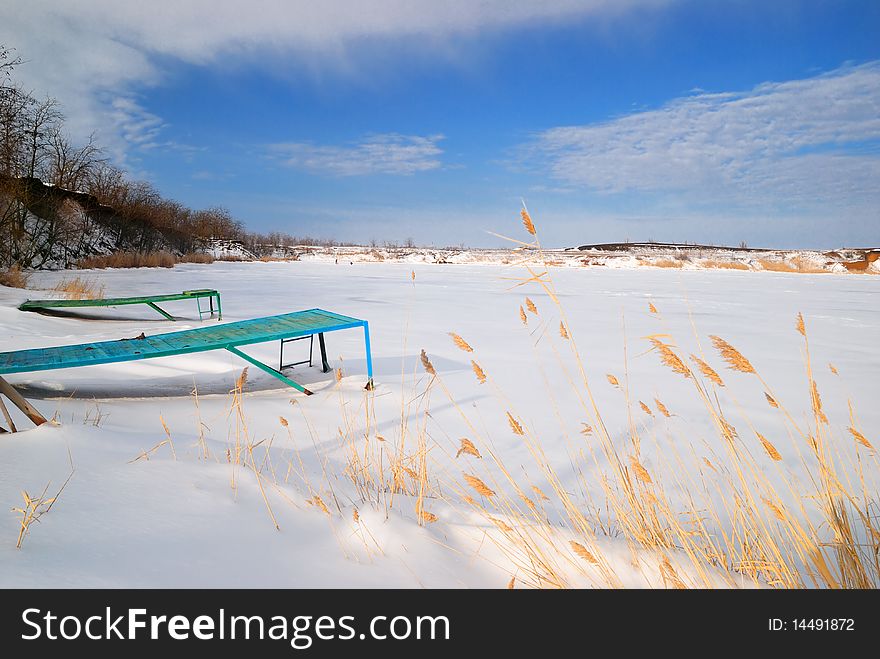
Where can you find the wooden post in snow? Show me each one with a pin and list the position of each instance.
(18, 400)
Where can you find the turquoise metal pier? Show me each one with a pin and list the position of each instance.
(228, 336)
(149, 300)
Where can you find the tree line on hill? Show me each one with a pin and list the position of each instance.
(61, 201)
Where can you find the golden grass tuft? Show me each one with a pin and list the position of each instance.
(669, 575)
(769, 448)
(541, 495)
(707, 371)
(511, 583)
(562, 331)
(129, 260)
(527, 221)
(14, 277)
(860, 438)
(460, 342)
(531, 306)
(479, 372)
(613, 381)
(522, 316)
(652, 308)
(479, 486)
(772, 401)
(195, 257)
(646, 409)
(817, 402)
(283, 421)
(80, 288)
(586, 429)
(662, 408)
(663, 263)
(318, 502)
(799, 325)
(426, 364)
(832, 368)
(467, 446)
(514, 425)
(724, 265)
(426, 516)
(732, 356)
(668, 357)
(640, 471)
(583, 552)
(776, 510)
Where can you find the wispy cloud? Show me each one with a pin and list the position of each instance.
(377, 154)
(810, 143)
(111, 48)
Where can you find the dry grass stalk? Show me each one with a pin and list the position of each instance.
(527, 221)
(562, 331)
(732, 356)
(583, 552)
(479, 485)
(460, 342)
(481, 375)
(771, 450)
(522, 316)
(709, 464)
(612, 380)
(668, 357)
(771, 400)
(707, 370)
(515, 425)
(860, 438)
(640, 471)
(646, 409)
(799, 325)
(426, 364)
(531, 306)
(662, 408)
(537, 490)
(467, 446)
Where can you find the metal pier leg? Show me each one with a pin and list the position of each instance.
(167, 315)
(369, 386)
(18, 400)
(268, 369)
(324, 365)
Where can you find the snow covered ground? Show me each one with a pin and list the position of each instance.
(185, 514)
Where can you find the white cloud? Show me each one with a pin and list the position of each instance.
(809, 144)
(378, 154)
(90, 53)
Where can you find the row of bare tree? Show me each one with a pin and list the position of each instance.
(58, 198)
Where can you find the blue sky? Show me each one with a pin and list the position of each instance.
(710, 121)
